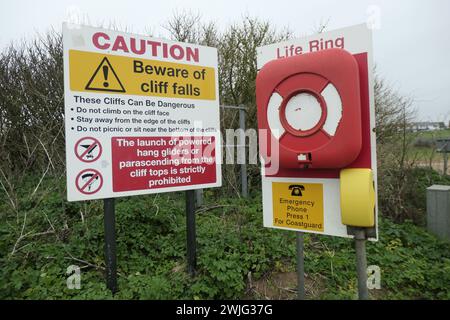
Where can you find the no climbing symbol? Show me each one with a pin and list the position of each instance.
(105, 79)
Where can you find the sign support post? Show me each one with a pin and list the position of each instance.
(110, 244)
(300, 267)
(191, 243)
(361, 263)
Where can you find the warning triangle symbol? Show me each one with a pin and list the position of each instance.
(105, 79)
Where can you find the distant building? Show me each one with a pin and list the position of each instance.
(427, 126)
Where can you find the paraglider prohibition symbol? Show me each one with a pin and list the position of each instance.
(89, 181)
(88, 149)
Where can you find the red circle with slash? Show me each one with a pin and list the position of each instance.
(90, 145)
(85, 180)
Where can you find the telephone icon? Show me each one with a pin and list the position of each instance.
(296, 190)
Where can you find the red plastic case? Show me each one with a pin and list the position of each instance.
(312, 74)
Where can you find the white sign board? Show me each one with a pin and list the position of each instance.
(310, 202)
(141, 114)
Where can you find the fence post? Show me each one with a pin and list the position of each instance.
(244, 184)
(445, 163)
(198, 197)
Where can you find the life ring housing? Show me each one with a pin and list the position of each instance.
(310, 104)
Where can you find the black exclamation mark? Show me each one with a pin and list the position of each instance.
(105, 75)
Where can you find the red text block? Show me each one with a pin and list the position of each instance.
(142, 163)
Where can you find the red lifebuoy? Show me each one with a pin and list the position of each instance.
(311, 105)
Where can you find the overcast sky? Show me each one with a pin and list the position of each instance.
(411, 41)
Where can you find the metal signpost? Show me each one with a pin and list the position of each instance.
(361, 263)
(316, 116)
(110, 244)
(443, 146)
(141, 117)
(191, 242)
(301, 294)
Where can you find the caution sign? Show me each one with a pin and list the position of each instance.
(105, 79)
(88, 149)
(298, 206)
(89, 181)
(141, 114)
(91, 71)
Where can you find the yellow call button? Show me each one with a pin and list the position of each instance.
(357, 197)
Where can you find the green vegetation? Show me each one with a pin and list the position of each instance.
(407, 199)
(233, 247)
(424, 149)
(435, 134)
(41, 234)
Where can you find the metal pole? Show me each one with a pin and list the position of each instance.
(243, 153)
(110, 244)
(191, 244)
(361, 264)
(199, 197)
(445, 162)
(300, 267)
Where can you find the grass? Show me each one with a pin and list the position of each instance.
(435, 134)
(237, 257)
(423, 149)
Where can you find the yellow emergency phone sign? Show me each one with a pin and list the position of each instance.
(298, 205)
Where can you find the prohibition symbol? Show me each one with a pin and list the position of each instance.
(105, 79)
(89, 181)
(88, 149)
